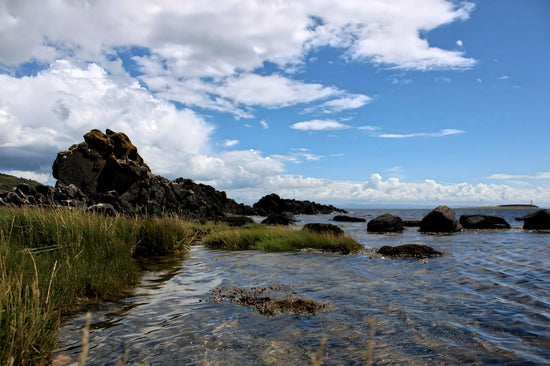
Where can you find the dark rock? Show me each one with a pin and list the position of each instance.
(323, 229)
(105, 209)
(409, 250)
(23, 188)
(411, 223)
(539, 220)
(483, 222)
(14, 199)
(344, 218)
(385, 223)
(284, 218)
(235, 220)
(440, 220)
(107, 168)
(272, 203)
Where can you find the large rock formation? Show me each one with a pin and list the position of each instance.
(440, 220)
(483, 222)
(273, 204)
(539, 220)
(107, 168)
(386, 223)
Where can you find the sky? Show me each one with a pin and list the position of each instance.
(358, 103)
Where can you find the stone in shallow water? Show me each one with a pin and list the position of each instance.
(409, 250)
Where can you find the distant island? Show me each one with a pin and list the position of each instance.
(519, 206)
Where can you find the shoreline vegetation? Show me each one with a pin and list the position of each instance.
(55, 261)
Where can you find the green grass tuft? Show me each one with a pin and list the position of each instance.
(279, 239)
(54, 261)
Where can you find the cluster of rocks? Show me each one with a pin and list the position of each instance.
(105, 173)
(442, 220)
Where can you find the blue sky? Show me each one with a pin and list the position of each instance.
(365, 103)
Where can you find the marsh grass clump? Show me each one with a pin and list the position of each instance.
(279, 239)
(54, 261)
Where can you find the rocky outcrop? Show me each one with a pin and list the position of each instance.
(320, 228)
(107, 169)
(539, 220)
(272, 203)
(409, 250)
(483, 222)
(344, 218)
(386, 223)
(283, 218)
(440, 220)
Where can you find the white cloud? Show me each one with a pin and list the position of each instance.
(44, 178)
(443, 79)
(503, 77)
(390, 191)
(459, 43)
(542, 175)
(264, 124)
(319, 125)
(445, 132)
(56, 107)
(229, 143)
(352, 101)
(217, 37)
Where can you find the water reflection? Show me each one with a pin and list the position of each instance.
(486, 301)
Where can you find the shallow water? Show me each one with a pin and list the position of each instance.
(487, 301)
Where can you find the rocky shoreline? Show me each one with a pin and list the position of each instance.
(105, 173)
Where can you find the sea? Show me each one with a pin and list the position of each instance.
(486, 301)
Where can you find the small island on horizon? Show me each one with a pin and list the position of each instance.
(516, 206)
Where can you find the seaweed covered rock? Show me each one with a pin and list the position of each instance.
(323, 229)
(345, 218)
(440, 220)
(483, 222)
(409, 250)
(539, 220)
(386, 223)
(273, 204)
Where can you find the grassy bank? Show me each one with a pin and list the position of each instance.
(55, 261)
(266, 238)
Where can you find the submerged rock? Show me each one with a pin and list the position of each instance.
(268, 301)
(385, 223)
(440, 220)
(409, 250)
(539, 220)
(323, 229)
(344, 218)
(483, 222)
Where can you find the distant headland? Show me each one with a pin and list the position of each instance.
(516, 206)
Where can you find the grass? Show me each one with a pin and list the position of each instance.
(55, 261)
(8, 182)
(278, 239)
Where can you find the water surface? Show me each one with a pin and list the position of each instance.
(487, 301)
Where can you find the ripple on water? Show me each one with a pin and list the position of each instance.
(486, 301)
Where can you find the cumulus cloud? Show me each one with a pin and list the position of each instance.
(216, 38)
(378, 190)
(56, 107)
(319, 125)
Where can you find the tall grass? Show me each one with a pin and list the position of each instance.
(53, 262)
(278, 239)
